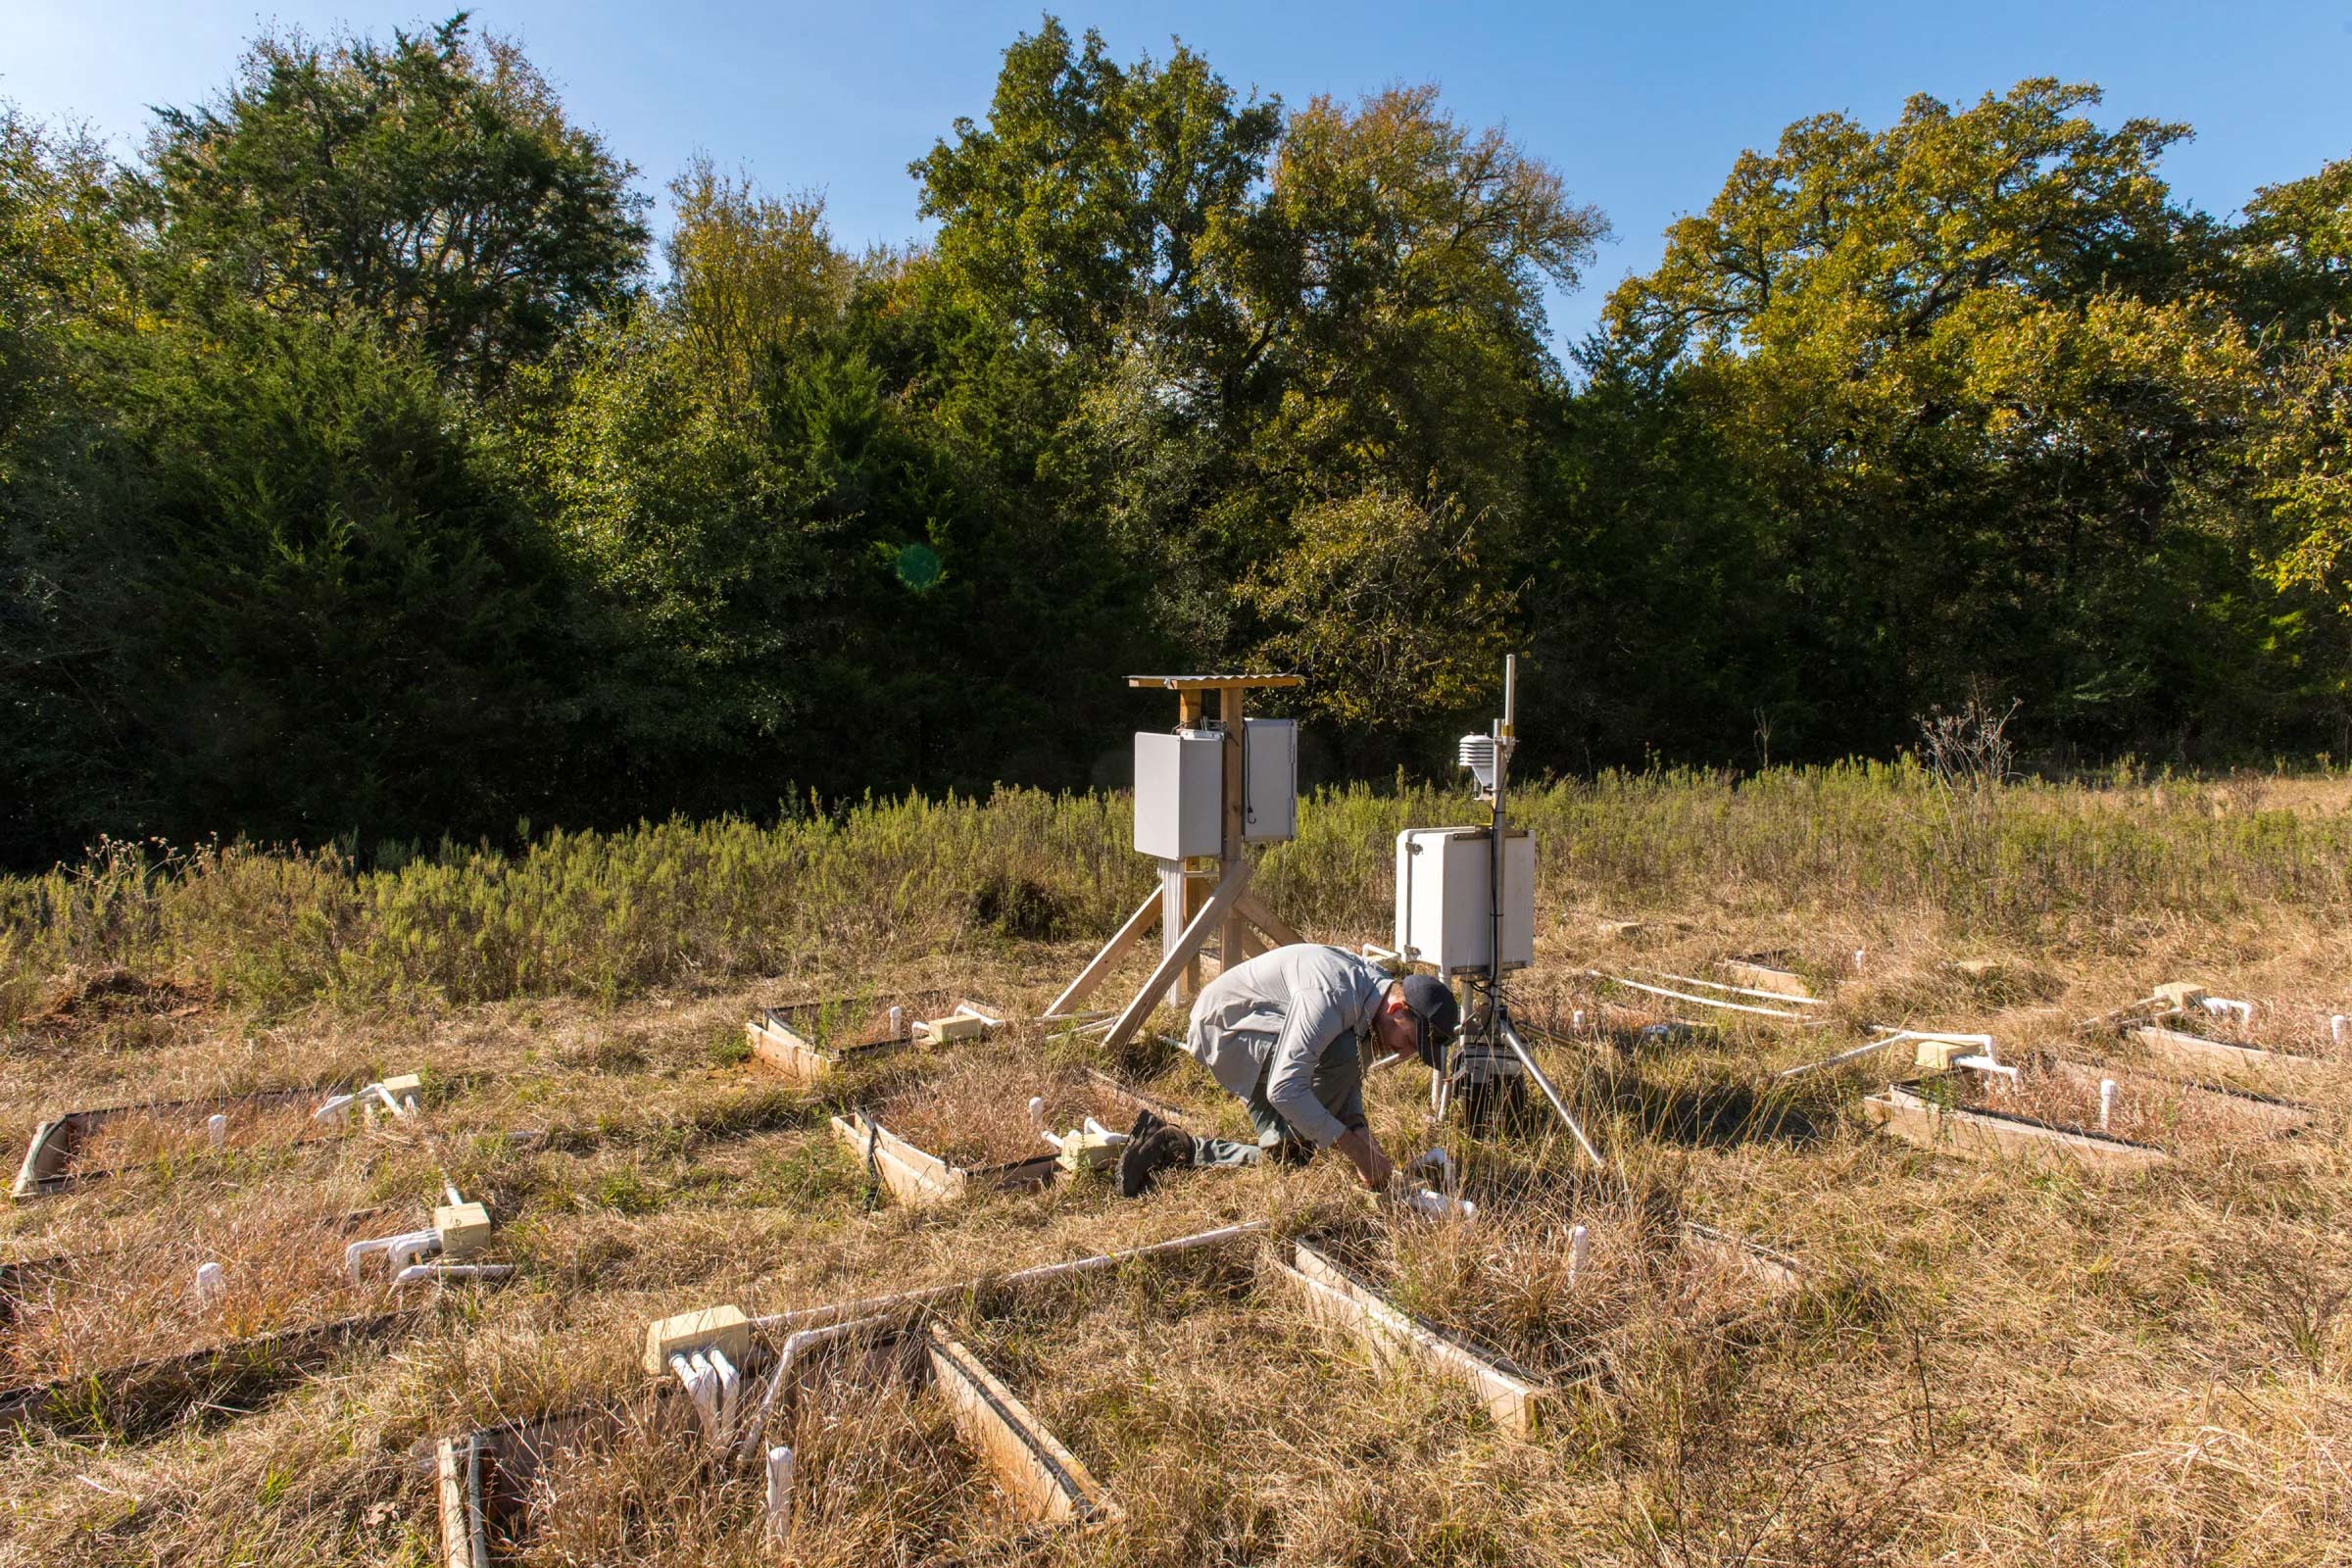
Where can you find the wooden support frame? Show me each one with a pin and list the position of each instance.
(1336, 1297)
(920, 1179)
(49, 1155)
(1189, 922)
(790, 1039)
(1904, 1112)
(2196, 1060)
(1041, 1477)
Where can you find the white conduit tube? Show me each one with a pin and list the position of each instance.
(1579, 1246)
(397, 1249)
(2221, 1007)
(212, 1285)
(2106, 1101)
(835, 1313)
(216, 1127)
(779, 1492)
(694, 1371)
(443, 1273)
(2337, 1024)
(729, 1383)
(794, 1344)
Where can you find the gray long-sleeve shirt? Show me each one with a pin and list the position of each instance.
(1275, 1015)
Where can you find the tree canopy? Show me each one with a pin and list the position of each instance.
(355, 482)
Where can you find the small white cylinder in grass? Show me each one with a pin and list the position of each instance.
(1578, 1244)
(1576, 1020)
(897, 1022)
(1858, 951)
(779, 1491)
(211, 1284)
(2106, 1103)
(216, 1127)
(2336, 1027)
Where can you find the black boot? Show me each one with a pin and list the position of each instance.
(1152, 1145)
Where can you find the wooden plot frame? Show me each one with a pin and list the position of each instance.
(49, 1155)
(481, 1478)
(1340, 1299)
(1903, 1111)
(915, 1177)
(144, 1396)
(2276, 1117)
(791, 1039)
(1230, 912)
(2196, 1060)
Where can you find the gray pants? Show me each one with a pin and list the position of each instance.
(1339, 1084)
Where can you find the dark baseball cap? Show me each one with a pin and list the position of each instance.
(1429, 999)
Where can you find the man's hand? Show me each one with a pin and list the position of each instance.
(1370, 1163)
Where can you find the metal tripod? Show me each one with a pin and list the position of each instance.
(1488, 1053)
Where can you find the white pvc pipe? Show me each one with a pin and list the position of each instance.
(2337, 1025)
(410, 1246)
(1579, 1246)
(729, 1383)
(216, 1127)
(1440, 1206)
(2221, 1007)
(701, 1383)
(211, 1284)
(897, 1022)
(794, 1344)
(1858, 951)
(336, 1105)
(779, 1492)
(2106, 1103)
(443, 1273)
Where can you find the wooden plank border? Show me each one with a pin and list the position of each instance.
(2219, 1062)
(1335, 1296)
(55, 1142)
(141, 1395)
(1902, 1111)
(781, 1037)
(915, 1177)
(1044, 1478)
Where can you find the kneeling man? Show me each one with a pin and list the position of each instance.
(1286, 1033)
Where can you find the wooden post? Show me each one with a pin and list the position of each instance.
(1229, 852)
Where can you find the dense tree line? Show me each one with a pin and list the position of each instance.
(357, 479)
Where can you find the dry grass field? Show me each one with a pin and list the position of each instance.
(1979, 1360)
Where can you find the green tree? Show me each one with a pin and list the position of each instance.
(750, 274)
(1971, 367)
(431, 189)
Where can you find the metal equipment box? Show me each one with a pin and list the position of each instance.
(1179, 793)
(1444, 914)
(1271, 770)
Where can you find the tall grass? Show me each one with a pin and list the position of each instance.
(611, 914)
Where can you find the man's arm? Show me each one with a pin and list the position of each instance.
(1311, 1022)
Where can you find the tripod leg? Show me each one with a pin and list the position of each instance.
(1510, 1037)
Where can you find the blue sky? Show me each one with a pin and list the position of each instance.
(1642, 107)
